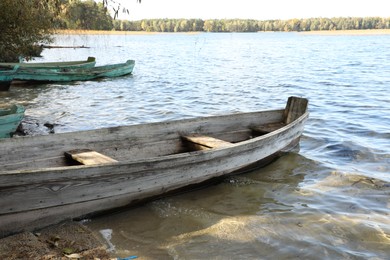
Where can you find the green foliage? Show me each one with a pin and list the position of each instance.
(23, 25)
(84, 15)
(242, 25)
(26, 24)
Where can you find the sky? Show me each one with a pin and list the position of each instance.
(254, 9)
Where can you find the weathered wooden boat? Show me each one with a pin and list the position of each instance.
(75, 74)
(89, 63)
(10, 118)
(6, 77)
(48, 179)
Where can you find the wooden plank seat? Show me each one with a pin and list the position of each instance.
(88, 157)
(203, 142)
(268, 128)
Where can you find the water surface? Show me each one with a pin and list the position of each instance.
(329, 200)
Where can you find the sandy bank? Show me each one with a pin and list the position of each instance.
(95, 32)
(350, 32)
(340, 32)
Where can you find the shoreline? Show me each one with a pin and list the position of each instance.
(350, 32)
(98, 32)
(66, 240)
(338, 32)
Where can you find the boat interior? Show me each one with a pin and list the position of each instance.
(186, 143)
(123, 145)
(140, 142)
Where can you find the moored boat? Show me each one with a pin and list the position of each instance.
(6, 77)
(10, 118)
(88, 63)
(75, 74)
(48, 179)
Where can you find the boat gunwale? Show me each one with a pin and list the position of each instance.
(10, 119)
(157, 159)
(73, 71)
(115, 128)
(49, 65)
(65, 74)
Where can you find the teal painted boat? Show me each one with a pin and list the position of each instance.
(6, 77)
(10, 118)
(89, 63)
(75, 74)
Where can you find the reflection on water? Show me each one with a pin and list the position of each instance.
(292, 208)
(330, 200)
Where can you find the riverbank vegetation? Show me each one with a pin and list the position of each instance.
(89, 15)
(26, 25)
(241, 25)
(23, 23)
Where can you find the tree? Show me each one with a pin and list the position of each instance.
(116, 6)
(23, 25)
(86, 15)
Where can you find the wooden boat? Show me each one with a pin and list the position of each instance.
(6, 77)
(48, 179)
(66, 74)
(89, 63)
(10, 118)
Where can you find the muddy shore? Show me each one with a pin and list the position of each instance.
(68, 240)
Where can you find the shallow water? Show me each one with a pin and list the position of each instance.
(329, 200)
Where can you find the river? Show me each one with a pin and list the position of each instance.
(329, 200)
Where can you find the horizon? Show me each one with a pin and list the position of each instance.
(252, 9)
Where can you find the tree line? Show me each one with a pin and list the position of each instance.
(91, 15)
(26, 24)
(244, 25)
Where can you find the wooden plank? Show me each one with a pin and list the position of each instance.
(295, 107)
(89, 157)
(268, 128)
(207, 141)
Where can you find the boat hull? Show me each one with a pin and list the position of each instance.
(5, 84)
(10, 120)
(74, 74)
(6, 77)
(88, 63)
(47, 195)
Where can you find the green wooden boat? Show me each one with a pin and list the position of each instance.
(6, 77)
(75, 74)
(89, 63)
(10, 118)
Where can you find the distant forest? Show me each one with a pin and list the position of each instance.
(89, 15)
(241, 25)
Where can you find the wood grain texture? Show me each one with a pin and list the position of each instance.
(207, 142)
(39, 188)
(88, 157)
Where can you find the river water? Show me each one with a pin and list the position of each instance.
(329, 200)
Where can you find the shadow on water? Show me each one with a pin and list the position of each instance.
(293, 208)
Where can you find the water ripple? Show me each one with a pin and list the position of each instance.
(329, 201)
